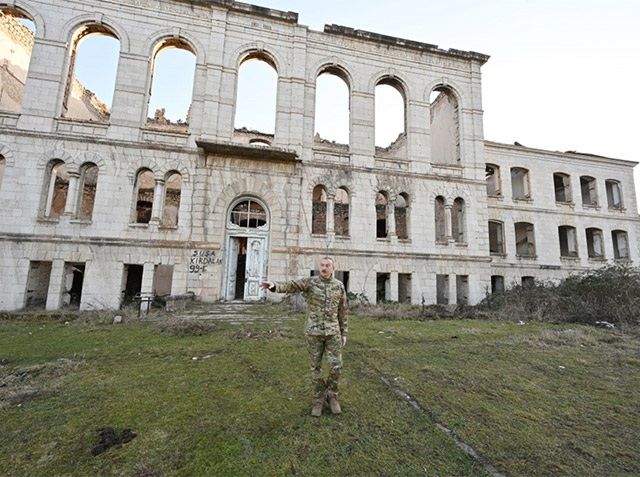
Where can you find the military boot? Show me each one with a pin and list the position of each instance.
(335, 405)
(316, 411)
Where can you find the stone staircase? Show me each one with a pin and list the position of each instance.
(237, 313)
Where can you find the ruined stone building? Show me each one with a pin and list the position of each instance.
(101, 203)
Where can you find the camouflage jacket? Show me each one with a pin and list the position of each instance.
(326, 304)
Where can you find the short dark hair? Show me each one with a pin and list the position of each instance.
(333, 262)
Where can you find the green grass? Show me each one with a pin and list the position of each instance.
(244, 409)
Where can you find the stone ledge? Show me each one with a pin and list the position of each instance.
(250, 151)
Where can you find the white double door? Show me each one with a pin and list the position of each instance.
(246, 260)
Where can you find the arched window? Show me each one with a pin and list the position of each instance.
(248, 214)
(145, 185)
(16, 36)
(525, 239)
(390, 120)
(614, 194)
(444, 125)
(595, 243)
(441, 226)
(520, 183)
(88, 186)
(332, 107)
(496, 237)
(562, 187)
(381, 214)
(341, 212)
(319, 211)
(57, 189)
(401, 212)
(256, 94)
(458, 221)
(172, 192)
(620, 244)
(93, 63)
(568, 241)
(172, 77)
(492, 177)
(589, 190)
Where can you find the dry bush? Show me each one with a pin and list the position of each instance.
(184, 327)
(610, 294)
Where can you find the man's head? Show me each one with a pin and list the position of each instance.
(326, 267)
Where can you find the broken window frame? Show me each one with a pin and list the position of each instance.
(382, 211)
(255, 213)
(595, 236)
(338, 72)
(455, 124)
(137, 217)
(52, 180)
(499, 248)
(165, 218)
(589, 191)
(458, 221)
(525, 182)
(319, 203)
(83, 194)
(614, 194)
(82, 33)
(343, 229)
(562, 188)
(530, 243)
(492, 179)
(179, 126)
(497, 284)
(620, 240)
(568, 239)
(401, 213)
(440, 218)
(401, 89)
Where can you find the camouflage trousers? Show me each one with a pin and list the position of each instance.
(317, 346)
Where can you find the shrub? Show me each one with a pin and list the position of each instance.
(184, 327)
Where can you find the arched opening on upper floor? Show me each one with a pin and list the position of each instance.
(171, 86)
(17, 32)
(341, 212)
(319, 210)
(88, 188)
(332, 119)
(444, 127)
(382, 213)
(172, 195)
(390, 118)
(401, 213)
(144, 192)
(93, 64)
(256, 95)
(56, 189)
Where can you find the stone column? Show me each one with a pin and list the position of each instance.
(146, 289)
(393, 291)
(56, 281)
(72, 194)
(331, 200)
(158, 201)
(447, 222)
(453, 297)
(391, 219)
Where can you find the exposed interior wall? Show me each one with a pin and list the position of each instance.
(442, 289)
(16, 45)
(38, 284)
(404, 287)
(445, 135)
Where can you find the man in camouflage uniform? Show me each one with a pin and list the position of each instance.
(325, 329)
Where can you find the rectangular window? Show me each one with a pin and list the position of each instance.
(404, 287)
(497, 283)
(38, 284)
(442, 289)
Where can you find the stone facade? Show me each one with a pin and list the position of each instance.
(200, 208)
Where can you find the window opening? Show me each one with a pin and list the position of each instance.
(17, 32)
(458, 220)
(528, 282)
(381, 215)
(256, 95)
(614, 196)
(401, 212)
(442, 289)
(89, 184)
(441, 232)
(496, 237)
(462, 289)
(568, 247)
(497, 283)
(173, 190)
(162, 279)
(595, 243)
(332, 108)
(589, 190)
(248, 214)
(172, 78)
(132, 285)
(620, 244)
(383, 287)
(525, 240)
(404, 287)
(390, 137)
(445, 134)
(93, 65)
(38, 284)
(72, 286)
(341, 212)
(492, 178)
(562, 187)
(145, 190)
(520, 183)
(319, 212)
(57, 190)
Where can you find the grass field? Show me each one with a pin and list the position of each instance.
(531, 400)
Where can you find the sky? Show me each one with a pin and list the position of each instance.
(564, 75)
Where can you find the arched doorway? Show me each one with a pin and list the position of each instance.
(246, 250)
